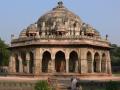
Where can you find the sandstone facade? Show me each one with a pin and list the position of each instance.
(60, 43)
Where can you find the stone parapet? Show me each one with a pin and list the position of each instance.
(80, 40)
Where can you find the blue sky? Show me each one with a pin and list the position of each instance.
(104, 15)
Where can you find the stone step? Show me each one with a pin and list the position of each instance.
(61, 83)
(62, 86)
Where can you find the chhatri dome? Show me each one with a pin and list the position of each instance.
(60, 43)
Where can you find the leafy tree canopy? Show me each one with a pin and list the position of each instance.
(115, 55)
(4, 53)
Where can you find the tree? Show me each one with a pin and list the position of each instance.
(113, 85)
(4, 53)
(115, 55)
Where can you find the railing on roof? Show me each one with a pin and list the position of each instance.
(59, 38)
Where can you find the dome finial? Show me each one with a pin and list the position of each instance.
(60, 3)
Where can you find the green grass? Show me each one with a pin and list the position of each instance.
(116, 73)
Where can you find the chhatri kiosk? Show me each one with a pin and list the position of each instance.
(59, 43)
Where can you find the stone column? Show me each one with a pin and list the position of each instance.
(28, 62)
(40, 64)
(50, 66)
(37, 62)
(28, 66)
(76, 67)
(79, 61)
(109, 71)
(109, 63)
(92, 64)
(98, 66)
(105, 66)
(53, 63)
(67, 64)
(84, 67)
(91, 67)
(20, 64)
(100, 63)
(12, 64)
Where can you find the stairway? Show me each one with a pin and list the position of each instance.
(61, 83)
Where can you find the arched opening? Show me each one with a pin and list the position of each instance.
(103, 63)
(73, 62)
(23, 57)
(60, 63)
(96, 63)
(31, 64)
(45, 61)
(89, 62)
(16, 63)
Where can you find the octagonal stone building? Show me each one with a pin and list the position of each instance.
(59, 43)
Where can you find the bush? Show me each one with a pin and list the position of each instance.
(112, 85)
(4, 53)
(42, 85)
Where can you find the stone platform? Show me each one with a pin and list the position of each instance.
(28, 83)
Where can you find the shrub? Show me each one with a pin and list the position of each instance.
(112, 85)
(42, 85)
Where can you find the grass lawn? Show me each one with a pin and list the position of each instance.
(116, 73)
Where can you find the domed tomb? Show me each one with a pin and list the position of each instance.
(60, 42)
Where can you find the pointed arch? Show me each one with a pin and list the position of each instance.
(96, 63)
(46, 58)
(24, 63)
(73, 62)
(16, 63)
(31, 63)
(89, 61)
(60, 62)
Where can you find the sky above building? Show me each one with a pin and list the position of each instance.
(103, 15)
